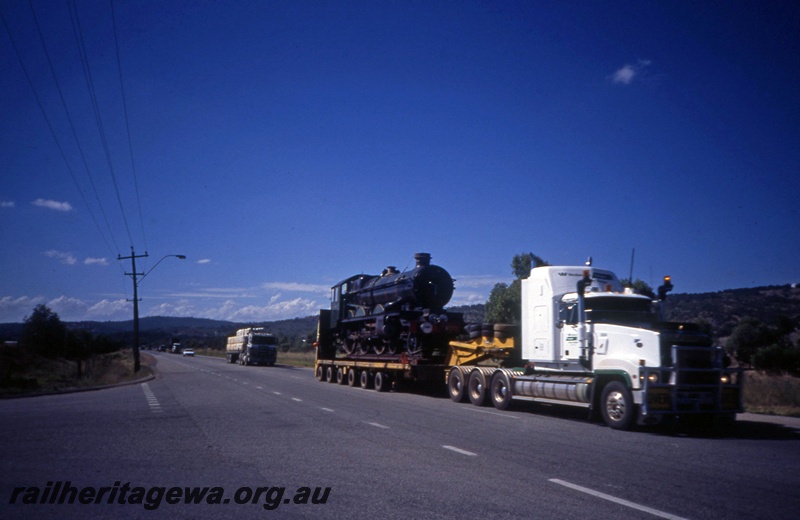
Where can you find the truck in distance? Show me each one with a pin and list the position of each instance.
(252, 346)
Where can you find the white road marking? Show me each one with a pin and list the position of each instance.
(476, 409)
(276, 393)
(377, 425)
(297, 399)
(459, 450)
(152, 401)
(260, 388)
(327, 410)
(626, 503)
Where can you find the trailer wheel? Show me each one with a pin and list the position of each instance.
(381, 381)
(330, 375)
(456, 386)
(340, 377)
(320, 373)
(366, 380)
(500, 391)
(616, 406)
(477, 388)
(352, 377)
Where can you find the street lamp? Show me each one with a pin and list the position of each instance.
(133, 274)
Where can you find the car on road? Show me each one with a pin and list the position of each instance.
(188, 352)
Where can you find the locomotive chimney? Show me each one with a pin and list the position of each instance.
(423, 259)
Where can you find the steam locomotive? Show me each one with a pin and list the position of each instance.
(392, 314)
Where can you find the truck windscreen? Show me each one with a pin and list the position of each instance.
(620, 311)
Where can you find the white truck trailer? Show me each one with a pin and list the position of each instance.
(589, 342)
(252, 346)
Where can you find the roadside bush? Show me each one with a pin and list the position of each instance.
(778, 359)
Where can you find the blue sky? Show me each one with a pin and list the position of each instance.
(284, 146)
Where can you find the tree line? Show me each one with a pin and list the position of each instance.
(45, 334)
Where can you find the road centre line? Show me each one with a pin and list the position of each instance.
(328, 410)
(626, 503)
(297, 399)
(459, 450)
(377, 425)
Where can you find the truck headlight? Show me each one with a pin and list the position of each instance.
(652, 377)
(725, 379)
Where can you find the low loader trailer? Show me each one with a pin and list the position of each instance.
(584, 341)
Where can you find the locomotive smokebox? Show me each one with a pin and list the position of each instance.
(423, 259)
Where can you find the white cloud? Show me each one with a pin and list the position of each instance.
(204, 261)
(107, 309)
(7, 204)
(68, 309)
(480, 280)
(63, 256)
(294, 286)
(96, 261)
(276, 310)
(15, 310)
(626, 74)
(52, 204)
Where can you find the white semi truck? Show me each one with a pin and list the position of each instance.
(252, 346)
(586, 341)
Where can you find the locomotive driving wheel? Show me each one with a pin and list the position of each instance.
(381, 347)
(412, 346)
(347, 346)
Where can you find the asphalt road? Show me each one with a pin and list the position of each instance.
(278, 440)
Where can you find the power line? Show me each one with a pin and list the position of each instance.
(98, 118)
(127, 121)
(53, 133)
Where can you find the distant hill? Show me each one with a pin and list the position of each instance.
(722, 310)
(158, 330)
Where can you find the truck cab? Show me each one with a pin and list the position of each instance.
(588, 338)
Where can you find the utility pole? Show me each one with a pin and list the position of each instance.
(134, 274)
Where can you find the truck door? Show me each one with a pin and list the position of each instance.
(568, 341)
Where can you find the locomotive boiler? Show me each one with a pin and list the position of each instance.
(394, 313)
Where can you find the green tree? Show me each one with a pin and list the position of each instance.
(44, 333)
(639, 287)
(748, 337)
(505, 301)
(778, 358)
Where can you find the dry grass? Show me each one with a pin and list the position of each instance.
(23, 373)
(772, 394)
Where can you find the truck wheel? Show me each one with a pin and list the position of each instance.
(340, 376)
(456, 386)
(381, 381)
(616, 406)
(477, 388)
(500, 391)
(320, 373)
(366, 380)
(352, 377)
(330, 375)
